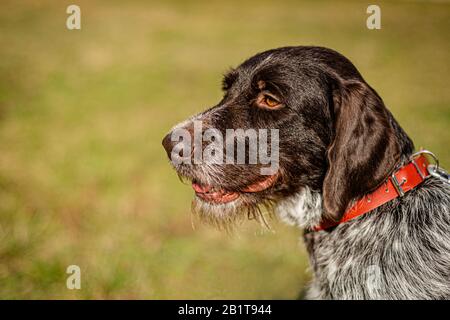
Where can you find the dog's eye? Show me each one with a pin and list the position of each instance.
(268, 101)
(271, 102)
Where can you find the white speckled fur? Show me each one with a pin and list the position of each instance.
(400, 250)
(303, 209)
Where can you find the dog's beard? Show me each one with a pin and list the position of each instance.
(227, 216)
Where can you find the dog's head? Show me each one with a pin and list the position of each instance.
(324, 129)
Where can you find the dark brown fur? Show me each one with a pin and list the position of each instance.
(338, 142)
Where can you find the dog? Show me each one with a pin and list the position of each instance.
(338, 145)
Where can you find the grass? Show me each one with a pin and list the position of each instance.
(84, 179)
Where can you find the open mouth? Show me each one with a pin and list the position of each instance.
(216, 195)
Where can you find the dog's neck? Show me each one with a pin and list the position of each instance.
(405, 143)
(304, 209)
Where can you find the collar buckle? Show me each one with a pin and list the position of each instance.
(398, 185)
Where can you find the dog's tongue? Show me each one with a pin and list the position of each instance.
(200, 188)
(261, 185)
(205, 192)
(255, 187)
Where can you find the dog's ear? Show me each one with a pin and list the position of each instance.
(363, 150)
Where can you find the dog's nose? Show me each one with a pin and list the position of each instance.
(178, 133)
(168, 144)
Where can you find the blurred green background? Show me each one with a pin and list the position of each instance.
(84, 179)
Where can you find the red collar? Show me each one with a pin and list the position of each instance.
(404, 179)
